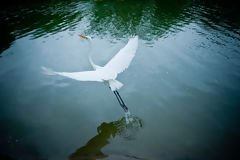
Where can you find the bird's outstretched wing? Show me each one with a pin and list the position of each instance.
(123, 58)
(80, 76)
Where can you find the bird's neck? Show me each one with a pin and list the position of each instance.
(89, 55)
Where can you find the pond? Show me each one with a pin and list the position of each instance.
(182, 87)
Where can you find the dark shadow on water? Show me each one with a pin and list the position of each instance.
(12, 141)
(107, 131)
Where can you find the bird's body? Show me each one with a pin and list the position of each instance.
(107, 73)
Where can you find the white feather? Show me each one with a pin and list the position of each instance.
(109, 72)
(80, 76)
(123, 58)
(114, 84)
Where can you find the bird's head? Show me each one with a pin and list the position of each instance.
(85, 37)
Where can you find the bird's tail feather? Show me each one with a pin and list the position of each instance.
(48, 71)
(114, 85)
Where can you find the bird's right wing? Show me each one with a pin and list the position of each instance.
(123, 58)
(80, 76)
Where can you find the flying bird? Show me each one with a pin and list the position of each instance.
(108, 73)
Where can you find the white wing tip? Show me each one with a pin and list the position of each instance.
(134, 40)
(48, 71)
(135, 37)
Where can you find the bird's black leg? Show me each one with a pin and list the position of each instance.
(120, 101)
(117, 98)
(120, 98)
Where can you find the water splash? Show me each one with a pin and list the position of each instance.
(128, 117)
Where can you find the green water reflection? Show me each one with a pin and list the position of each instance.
(92, 149)
(148, 19)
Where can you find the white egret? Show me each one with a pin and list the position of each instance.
(109, 72)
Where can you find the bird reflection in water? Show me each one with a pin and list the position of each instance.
(92, 149)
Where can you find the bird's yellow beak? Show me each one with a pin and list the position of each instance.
(83, 36)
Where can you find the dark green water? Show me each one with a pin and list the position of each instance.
(183, 86)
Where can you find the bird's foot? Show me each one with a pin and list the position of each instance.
(125, 108)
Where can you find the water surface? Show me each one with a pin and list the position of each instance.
(182, 87)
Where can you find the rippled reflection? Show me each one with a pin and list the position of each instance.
(106, 131)
(148, 19)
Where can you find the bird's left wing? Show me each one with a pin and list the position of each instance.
(123, 58)
(80, 76)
